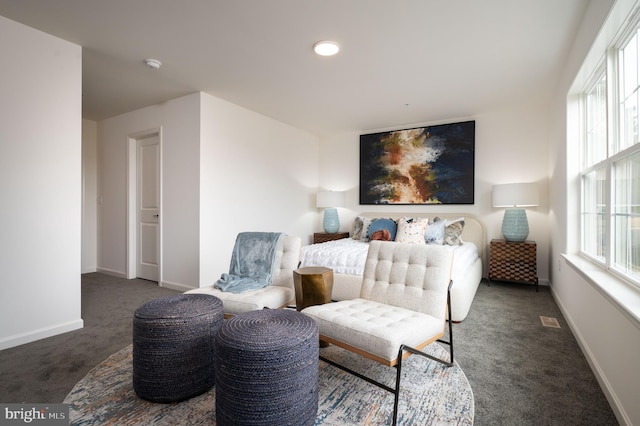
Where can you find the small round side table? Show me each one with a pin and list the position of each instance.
(313, 285)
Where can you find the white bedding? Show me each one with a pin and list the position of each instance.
(348, 256)
(345, 256)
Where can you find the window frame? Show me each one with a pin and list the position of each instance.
(609, 68)
(585, 170)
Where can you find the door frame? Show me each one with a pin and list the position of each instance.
(132, 192)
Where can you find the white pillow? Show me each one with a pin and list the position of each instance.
(435, 231)
(411, 230)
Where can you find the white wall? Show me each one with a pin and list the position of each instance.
(89, 196)
(609, 339)
(257, 174)
(178, 122)
(225, 170)
(511, 146)
(40, 171)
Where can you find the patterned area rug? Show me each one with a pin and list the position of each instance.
(431, 394)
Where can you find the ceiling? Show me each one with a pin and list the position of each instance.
(402, 62)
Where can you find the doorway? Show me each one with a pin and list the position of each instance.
(144, 212)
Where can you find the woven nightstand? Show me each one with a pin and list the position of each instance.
(321, 237)
(509, 261)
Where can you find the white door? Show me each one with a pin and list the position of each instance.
(148, 207)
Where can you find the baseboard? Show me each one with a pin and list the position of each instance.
(42, 333)
(608, 391)
(174, 286)
(112, 272)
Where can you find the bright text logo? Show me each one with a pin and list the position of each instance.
(37, 414)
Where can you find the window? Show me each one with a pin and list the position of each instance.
(626, 216)
(596, 122)
(628, 77)
(593, 215)
(610, 162)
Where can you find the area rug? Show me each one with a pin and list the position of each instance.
(431, 394)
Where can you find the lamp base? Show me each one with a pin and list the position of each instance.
(515, 227)
(330, 220)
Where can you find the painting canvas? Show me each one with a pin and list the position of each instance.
(424, 165)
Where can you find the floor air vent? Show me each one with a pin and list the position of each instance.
(549, 322)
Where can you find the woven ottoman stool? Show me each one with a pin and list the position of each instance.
(173, 346)
(267, 369)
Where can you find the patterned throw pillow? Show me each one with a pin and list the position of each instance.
(361, 228)
(453, 232)
(411, 231)
(435, 231)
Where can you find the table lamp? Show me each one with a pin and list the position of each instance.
(514, 197)
(329, 200)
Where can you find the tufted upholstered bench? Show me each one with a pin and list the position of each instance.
(403, 307)
(267, 369)
(173, 346)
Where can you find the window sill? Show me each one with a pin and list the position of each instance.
(620, 293)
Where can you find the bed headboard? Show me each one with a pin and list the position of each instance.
(474, 231)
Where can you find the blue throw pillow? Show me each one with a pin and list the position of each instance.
(378, 224)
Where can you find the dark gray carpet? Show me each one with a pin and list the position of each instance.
(46, 370)
(521, 373)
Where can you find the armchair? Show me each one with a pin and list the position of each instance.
(275, 296)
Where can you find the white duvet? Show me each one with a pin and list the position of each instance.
(348, 256)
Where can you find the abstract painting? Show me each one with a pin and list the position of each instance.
(424, 165)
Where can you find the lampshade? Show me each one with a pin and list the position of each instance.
(514, 196)
(330, 200)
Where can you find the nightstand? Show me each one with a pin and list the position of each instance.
(510, 261)
(321, 237)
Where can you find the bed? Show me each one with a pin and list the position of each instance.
(347, 257)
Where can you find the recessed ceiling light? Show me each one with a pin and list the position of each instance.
(153, 63)
(326, 48)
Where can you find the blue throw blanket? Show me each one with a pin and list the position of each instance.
(252, 262)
